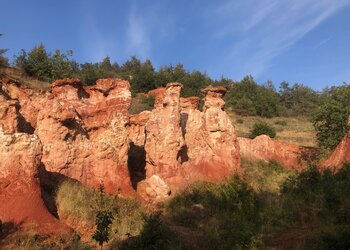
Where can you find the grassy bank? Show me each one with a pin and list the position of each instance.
(296, 130)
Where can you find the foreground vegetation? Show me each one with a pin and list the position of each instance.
(267, 208)
(309, 210)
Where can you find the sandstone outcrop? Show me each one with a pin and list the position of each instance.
(136, 127)
(340, 155)
(212, 146)
(164, 140)
(266, 149)
(20, 195)
(84, 136)
(159, 94)
(184, 145)
(29, 102)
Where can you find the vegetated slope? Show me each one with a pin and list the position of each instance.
(269, 208)
(20, 76)
(295, 130)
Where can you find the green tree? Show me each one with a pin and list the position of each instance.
(103, 221)
(143, 77)
(107, 70)
(62, 67)
(248, 98)
(330, 119)
(298, 99)
(36, 63)
(89, 73)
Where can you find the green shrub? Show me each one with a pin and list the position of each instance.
(155, 235)
(262, 128)
(227, 215)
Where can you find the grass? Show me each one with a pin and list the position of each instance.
(24, 79)
(296, 130)
(133, 227)
(34, 241)
(82, 203)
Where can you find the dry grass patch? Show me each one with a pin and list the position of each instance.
(296, 130)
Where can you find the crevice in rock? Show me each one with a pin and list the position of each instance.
(82, 93)
(136, 164)
(24, 126)
(182, 155)
(75, 127)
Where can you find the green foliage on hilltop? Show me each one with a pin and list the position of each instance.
(330, 119)
(249, 98)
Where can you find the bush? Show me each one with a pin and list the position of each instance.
(262, 128)
(227, 215)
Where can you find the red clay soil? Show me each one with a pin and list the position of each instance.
(26, 210)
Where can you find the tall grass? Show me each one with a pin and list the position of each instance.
(82, 203)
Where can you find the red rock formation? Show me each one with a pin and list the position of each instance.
(85, 136)
(212, 145)
(185, 145)
(136, 127)
(9, 115)
(266, 149)
(340, 155)
(163, 142)
(159, 94)
(29, 102)
(20, 194)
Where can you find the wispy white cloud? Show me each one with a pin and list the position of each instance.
(95, 44)
(322, 42)
(266, 29)
(138, 40)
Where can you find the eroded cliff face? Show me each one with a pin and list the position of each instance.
(340, 155)
(184, 144)
(163, 142)
(21, 204)
(87, 134)
(84, 134)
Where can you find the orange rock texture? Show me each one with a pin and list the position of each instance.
(184, 144)
(21, 204)
(84, 134)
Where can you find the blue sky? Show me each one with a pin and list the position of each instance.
(305, 41)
